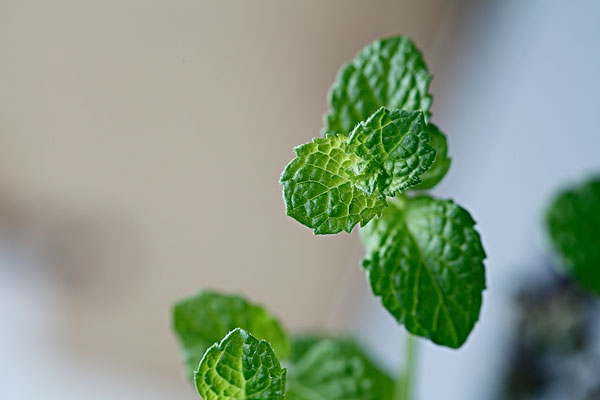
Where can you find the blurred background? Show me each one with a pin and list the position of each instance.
(141, 144)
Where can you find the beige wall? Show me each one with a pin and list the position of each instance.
(141, 145)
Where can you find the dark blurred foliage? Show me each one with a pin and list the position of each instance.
(555, 352)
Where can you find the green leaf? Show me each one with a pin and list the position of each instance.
(322, 189)
(334, 369)
(573, 224)
(204, 319)
(335, 183)
(425, 260)
(240, 367)
(397, 141)
(440, 166)
(387, 73)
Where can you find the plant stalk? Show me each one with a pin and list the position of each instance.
(404, 383)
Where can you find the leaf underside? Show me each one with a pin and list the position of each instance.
(334, 369)
(335, 183)
(425, 260)
(240, 367)
(204, 319)
(573, 225)
(387, 73)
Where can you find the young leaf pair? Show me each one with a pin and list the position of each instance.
(424, 257)
(232, 350)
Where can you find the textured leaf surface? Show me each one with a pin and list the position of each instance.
(321, 187)
(387, 73)
(240, 367)
(334, 369)
(335, 183)
(425, 260)
(440, 166)
(573, 223)
(397, 142)
(204, 319)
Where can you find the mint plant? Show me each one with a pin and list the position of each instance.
(424, 257)
(232, 350)
(204, 320)
(379, 151)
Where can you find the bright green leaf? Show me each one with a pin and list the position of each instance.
(387, 73)
(204, 319)
(425, 260)
(573, 224)
(322, 190)
(397, 141)
(440, 166)
(334, 370)
(240, 367)
(335, 183)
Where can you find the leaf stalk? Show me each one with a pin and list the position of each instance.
(405, 381)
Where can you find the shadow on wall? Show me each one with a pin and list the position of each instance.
(93, 261)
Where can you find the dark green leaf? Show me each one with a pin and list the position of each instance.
(204, 319)
(387, 73)
(240, 367)
(334, 370)
(440, 166)
(425, 260)
(573, 223)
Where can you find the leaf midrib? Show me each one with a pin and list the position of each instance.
(434, 279)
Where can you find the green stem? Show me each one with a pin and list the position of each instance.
(404, 383)
(399, 200)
